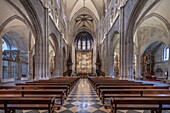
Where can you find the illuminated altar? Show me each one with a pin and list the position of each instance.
(84, 62)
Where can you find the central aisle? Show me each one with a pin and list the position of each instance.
(83, 99)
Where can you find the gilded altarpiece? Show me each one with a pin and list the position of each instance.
(84, 61)
(147, 65)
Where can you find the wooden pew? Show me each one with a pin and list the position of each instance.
(52, 84)
(31, 91)
(96, 82)
(70, 81)
(107, 93)
(55, 83)
(20, 86)
(45, 93)
(129, 87)
(11, 104)
(142, 103)
(123, 84)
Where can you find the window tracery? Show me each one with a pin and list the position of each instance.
(84, 42)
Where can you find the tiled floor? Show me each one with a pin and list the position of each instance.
(83, 99)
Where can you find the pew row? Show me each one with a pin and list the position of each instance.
(9, 105)
(156, 105)
(108, 93)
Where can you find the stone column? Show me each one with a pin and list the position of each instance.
(58, 62)
(122, 44)
(129, 58)
(138, 66)
(111, 64)
(38, 60)
(1, 61)
(30, 64)
(46, 47)
(73, 59)
(110, 60)
(107, 58)
(60, 66)
(60, 58)
(169, 66)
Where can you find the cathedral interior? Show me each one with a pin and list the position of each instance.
(84, 42)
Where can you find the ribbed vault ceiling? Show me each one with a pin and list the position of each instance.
(73, 6)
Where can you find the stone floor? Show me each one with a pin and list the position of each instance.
(83, 99)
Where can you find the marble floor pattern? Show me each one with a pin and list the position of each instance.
(83, 99)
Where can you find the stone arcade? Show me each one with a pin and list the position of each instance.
(121, 39)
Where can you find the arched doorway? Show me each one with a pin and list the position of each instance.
(84, 53)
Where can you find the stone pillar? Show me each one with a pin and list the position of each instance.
(129, 58)
(138, 66)
(58, 65)
(60, 58)
(169, 65)
(130, 52)
(126, 46)
(122, 45)
(107, 58)
(30, 64)
(94, 58)
(38, 60)
(1, 61)
(73, 59)
(46, 47)
(110, 60)
(111, 64)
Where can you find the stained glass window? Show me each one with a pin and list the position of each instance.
(84, 41)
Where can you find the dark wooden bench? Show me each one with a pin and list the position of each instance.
(34, 83)
(45, 93)
(107, 93)
(142, 103)
(70, 82)
(63, 87)
(123, 84)
(9, 105)
(129, 87)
